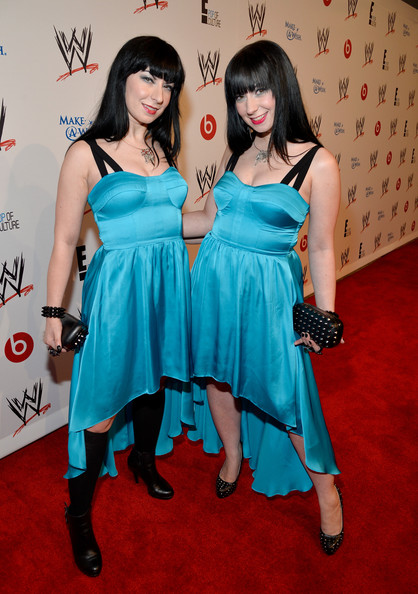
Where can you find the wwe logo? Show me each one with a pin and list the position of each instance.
(360, 127)
(159, 4)
(365, 219)
(410, 181)
(385, 186)
(402, 156)
(382, 94)
(368, 53)
(13, 278)
(322, 37)
(373, 160)
(352, 5)
(393, 125)
(402, 62)
(402, 231)
(395, 210)
(344, 257)
(343, 88)
(411, 102)
(75, 47)
(315, 125)
(257, 15)
(33, 403)
(351, 194)
(391, 22)
(7, 143)
(377, 240)
(205, 180)
(209, 68)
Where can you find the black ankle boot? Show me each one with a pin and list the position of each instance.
(85, 548)
(143, 464)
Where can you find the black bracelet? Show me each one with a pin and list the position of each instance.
(53, 312)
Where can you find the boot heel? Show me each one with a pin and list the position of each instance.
(143, 464)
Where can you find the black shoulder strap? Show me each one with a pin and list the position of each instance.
(301, 168)
(232, 161)
(100, 156)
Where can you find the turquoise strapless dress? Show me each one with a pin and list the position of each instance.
(245, 281)
(136, 302)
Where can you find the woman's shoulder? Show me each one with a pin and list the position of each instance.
(324, 161)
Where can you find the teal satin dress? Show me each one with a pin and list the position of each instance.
(136, 303)
(245, 281)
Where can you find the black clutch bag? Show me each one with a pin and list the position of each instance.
(74, 332)
(324, 327)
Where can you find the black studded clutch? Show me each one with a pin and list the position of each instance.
(324, 327)
(74, 332)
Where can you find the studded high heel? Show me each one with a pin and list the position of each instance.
(225, 489)
(330, 544)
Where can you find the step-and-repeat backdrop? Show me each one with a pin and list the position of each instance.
(357, 64)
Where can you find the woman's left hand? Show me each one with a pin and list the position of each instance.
(308, 343)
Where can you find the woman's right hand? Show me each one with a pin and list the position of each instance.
(52, 336)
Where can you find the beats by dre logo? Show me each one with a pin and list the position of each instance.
(19, 347)
(347, 48)
(303, 243)
(208, 126)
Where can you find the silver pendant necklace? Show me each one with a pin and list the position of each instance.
(261, 156)
(147, 153)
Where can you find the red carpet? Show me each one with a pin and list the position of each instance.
(248, 543)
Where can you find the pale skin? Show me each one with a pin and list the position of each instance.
(146, 98)
(321, 190)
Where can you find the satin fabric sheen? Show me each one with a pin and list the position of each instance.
(136, 303)
(245, 281)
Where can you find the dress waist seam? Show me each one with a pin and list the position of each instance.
(248, 248)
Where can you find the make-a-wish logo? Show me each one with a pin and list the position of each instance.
(27, 405)
(6, 144)
(385, 186)
(402, 62)
(411, 99)
(351, 195)
(8, 222)
(385, 63)
(343, 88)
(210, 17)
(377, 241)
(382, 94)
(355, 162)
(11, 281)
(75, 126)
(360, 127)
(373, 160)
(318, 86)
(380, 215)
(368, 53)
(205, 179)
(372, 18)
(369, 191)
(338, 129)
(393, 125)
(410, 182)
(257, 13)
(402, 157)
(406, 31)
(292, 32)
(315, 123)
(345, 257)
(402, 231)
(391, 22)
(322, 37)
(365, 220)
(351, 9)
(75, 47)
(158, 4)
(209, 68)
(2, 51)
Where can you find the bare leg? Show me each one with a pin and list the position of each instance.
(103, 426)
(226, 414)
(329, 503)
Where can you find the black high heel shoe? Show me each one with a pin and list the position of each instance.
(330, 544)
(225, 489)
(143, 464)
(85, 548)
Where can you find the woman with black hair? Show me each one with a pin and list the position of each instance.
(246, 279)
(136, 291)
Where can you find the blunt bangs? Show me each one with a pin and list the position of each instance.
(246, 73)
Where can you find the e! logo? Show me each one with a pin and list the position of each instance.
(208, 127)
(19, 347)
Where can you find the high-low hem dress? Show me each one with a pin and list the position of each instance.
(136, 303)
(245, 281)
